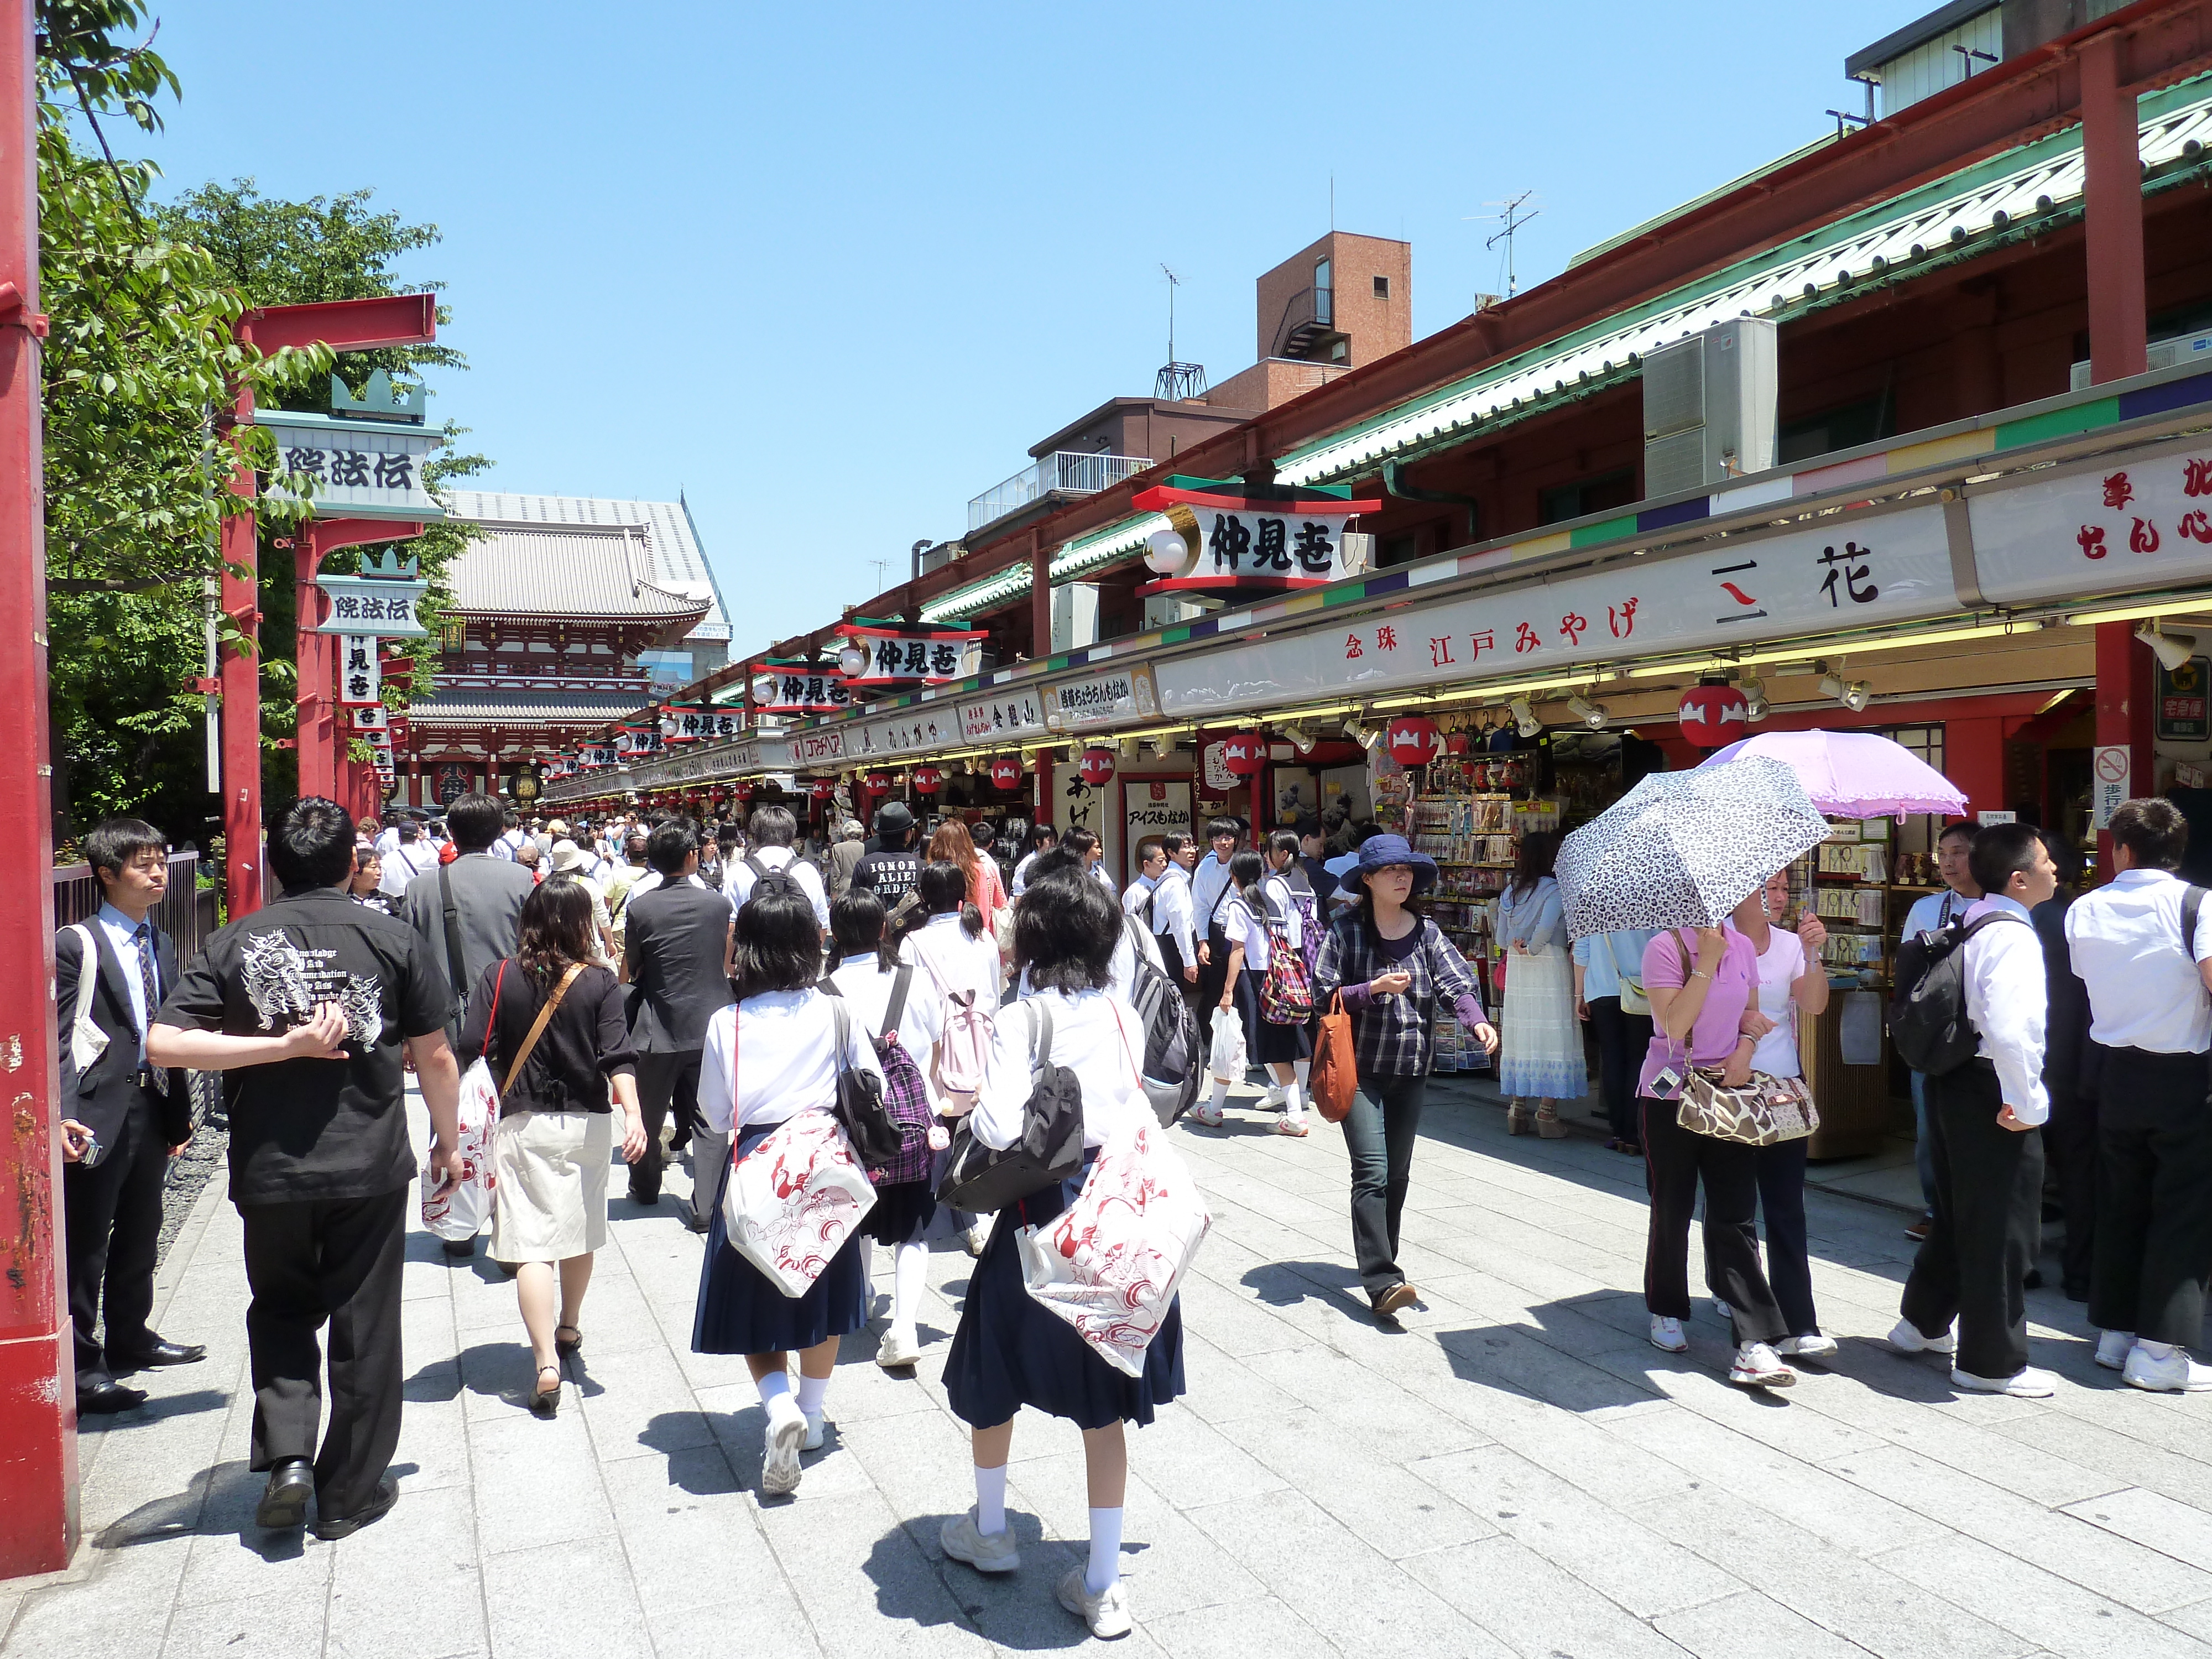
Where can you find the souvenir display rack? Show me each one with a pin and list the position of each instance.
(1850, 882)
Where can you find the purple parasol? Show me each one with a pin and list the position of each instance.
(1852, 775)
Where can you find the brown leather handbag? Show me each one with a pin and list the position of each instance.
(1335, 1075)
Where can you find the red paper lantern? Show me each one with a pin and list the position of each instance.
(1005, 772)
(1244, 753)
(878, 782)
(1713, 715)
(1095, 766)
(1414, 740)
(928, 780)
(823, 788)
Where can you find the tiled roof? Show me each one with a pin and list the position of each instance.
(568, 570)
(678, 563)
(476, 707)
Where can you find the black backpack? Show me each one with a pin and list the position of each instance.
(1173, 1065)
(860, 1110)
(777, 880)
(983, 1179)
(1928, 1022)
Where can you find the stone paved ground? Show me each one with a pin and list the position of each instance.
(1516, 1472)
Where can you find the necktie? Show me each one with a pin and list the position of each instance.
(149, 984)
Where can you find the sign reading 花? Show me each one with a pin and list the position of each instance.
(913, 656)
(360, 677)
(1289, 539)
(2109, 776)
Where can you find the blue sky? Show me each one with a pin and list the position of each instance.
(830, 269)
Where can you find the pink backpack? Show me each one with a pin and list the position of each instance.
(965, 1048)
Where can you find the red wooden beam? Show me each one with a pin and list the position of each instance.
(395, 319)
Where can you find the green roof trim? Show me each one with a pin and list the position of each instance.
(2058, 423)
(1342, 593)
(1604, 531)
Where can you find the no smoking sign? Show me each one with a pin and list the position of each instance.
(2110, 772)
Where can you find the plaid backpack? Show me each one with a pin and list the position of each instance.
(906, 1099)
(1286, 994)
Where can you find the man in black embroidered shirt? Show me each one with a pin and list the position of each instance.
(308, 1003)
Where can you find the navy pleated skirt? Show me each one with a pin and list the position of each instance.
(1265, 1042)
(1009, 1352)
(741, 1311)
(902, 1212)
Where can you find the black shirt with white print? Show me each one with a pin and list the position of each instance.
(888, 873)
(304, 1129)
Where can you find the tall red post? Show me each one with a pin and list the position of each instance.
(239, 674)
(38, 1444)
(317, 661)
(2119, 347)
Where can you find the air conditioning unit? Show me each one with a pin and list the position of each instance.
(1074, 615)
(1169, 609)
(2163, 354)
(1709, 404)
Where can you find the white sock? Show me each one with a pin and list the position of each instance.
(990, 1499)
(810, 1390)
(1220, 1095)
(1105, 1550)
(775, 1386)
(1294, 1105)
(2156, 1350)
(909, 1278)
(1301, 1069)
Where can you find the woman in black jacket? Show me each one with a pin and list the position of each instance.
(550, 1150)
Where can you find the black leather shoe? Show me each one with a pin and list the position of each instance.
(461, 1249)
(330, 1528)
(100, 1395)
(693, 1220)
(162, 1353)
(648, 1199)
(285, 1501)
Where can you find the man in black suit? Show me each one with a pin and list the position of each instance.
(122, 1119)
(676, 947)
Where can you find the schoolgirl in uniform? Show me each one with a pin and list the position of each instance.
(771, 1056)
(865, 974)
(1243, 912)
(1009, 1352)
(960, 959)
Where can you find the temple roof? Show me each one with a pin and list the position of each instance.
(480, 707)
(675, 562)
(601, 573)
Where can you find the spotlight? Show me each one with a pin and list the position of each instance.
(1128, 749)
(1524, 718)
(1301, 739)
(1366, 736)
(1853, 694)
(1754, 698)
(2171, 650)
(1591, 714)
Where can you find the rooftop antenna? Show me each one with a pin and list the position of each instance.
(1178, 382)
(881, 565)
(1514, 219)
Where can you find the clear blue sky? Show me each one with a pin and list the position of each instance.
(831, 270)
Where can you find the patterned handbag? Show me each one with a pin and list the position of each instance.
(1763, 1112)
(905, 1097)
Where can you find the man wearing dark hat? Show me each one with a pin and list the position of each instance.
(891, 871)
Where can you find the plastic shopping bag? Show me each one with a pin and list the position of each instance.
(792, 1201)
(1110, 1263)
(1226, 1058)
(457, 1211)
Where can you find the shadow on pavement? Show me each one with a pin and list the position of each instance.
(917, 1584)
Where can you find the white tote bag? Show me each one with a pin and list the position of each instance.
(1110, 1263)
(457, 1210)
(792, 1201)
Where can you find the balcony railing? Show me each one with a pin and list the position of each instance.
(1066, 471)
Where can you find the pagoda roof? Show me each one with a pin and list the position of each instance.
(675, 561)
(481, 706)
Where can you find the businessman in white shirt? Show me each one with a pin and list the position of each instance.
(1988, 1167)
(2142, 946)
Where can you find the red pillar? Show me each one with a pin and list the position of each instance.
(38, 1444)
(317, 685)
(2112, 203)
(240, 677)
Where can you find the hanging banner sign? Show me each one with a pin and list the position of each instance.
(1883, 566)
(1016, 714)
(1125, 693)
(637, 740)
(361, 672)
(375, 717)
(560, 766)
(911, 656)
(350, 469)
(597, 755)
(685, 722)
(372, 606)
(1233, 541)
(2098, 529)
(794, 686)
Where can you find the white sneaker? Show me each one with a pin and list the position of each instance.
(986, 1551)
(1814, 1347)
(1106, 1612)
(815, 1428)
(2175, 1374)
(1906, 1336)
(1273, 1100)
(1721, 1310)
(899, 1350)
(2026, 1384)
(1666, 1333)
(1758, 1367)
(2112, 1349)
(787, 1429)
(977, 1237)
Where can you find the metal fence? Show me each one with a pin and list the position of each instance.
(186, 913)
(1068, 472)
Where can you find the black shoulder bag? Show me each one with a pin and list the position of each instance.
(984, 1179)
(867, 1123)
(460, 985)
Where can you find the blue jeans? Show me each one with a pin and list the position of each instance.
(1923, 1148)
(1380, 1132)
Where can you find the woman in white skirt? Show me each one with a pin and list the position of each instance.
(552, 1008)
(1543, 1056)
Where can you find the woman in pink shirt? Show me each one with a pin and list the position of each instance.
(1701, 982)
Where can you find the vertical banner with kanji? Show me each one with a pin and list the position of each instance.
(361, 679)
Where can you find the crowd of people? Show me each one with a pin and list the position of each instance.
(659, 993)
